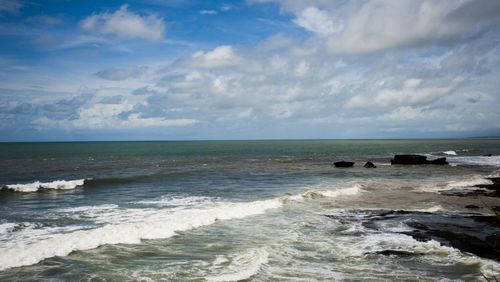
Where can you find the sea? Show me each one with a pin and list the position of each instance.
(234, 210)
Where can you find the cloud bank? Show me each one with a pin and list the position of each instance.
(347, 69)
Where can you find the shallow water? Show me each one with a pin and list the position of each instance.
(231, 210)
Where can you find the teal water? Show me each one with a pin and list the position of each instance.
(227, 210)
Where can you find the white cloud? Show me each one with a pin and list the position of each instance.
(106, 116)
(221, 56)
(357, 27)
(226, 7)
(302, 68)
(125, 24)
(208, 12)
(411, 93)
(317, 21)
(290, 85)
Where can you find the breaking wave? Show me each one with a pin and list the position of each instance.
(130, 226)
(37, 185)
(161, 224)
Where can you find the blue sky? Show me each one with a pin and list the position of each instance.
(255, 69)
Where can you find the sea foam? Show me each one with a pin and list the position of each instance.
(317, 194)
(37, 185)
(131, 225)
(161, 224)
(243, 266)
(470, 182)
(474, 160)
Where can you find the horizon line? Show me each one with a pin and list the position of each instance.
(268, 139)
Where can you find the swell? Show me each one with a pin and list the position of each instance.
(37, 186)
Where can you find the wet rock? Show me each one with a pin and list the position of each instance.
(396, 253)
(19, 227)
(475, 234)
(370, 165)
(313, 195)
(416, 160)
(473, 207)
(409, 159)
(343, 164)
(439, 161)
(494, 186)
(488, 190)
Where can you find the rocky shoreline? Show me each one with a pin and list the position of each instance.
(468, 231)
(472, 233)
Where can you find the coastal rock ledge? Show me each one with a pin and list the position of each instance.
(416, 160)
(343, 164)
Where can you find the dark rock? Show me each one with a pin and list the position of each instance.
(370, 165)
(395, 253)
(476, 234)
(473, 207)
(488, 190)
(494, 186)
(439, 161)
(343, 164)
(487, 155)
(409, 159)
(416, 160)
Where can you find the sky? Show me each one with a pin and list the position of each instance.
(255, 69)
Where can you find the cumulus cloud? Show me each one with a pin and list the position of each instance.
(221, 56)
(125, 24)
(322, 87)
(317, 21)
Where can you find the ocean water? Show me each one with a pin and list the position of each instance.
(232, 210)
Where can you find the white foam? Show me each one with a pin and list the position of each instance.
(452, 153)
(495, 173)
(317, 194)
(376, 242)
(178, 201)
(356, 189)
(243, 266)
(6, 227)
(160, 224)
(474, 160)
(87, 209)
(433, 209)
(470, 182)
(35, 186)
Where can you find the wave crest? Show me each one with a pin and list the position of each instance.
(161, 224)
(37, 185)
